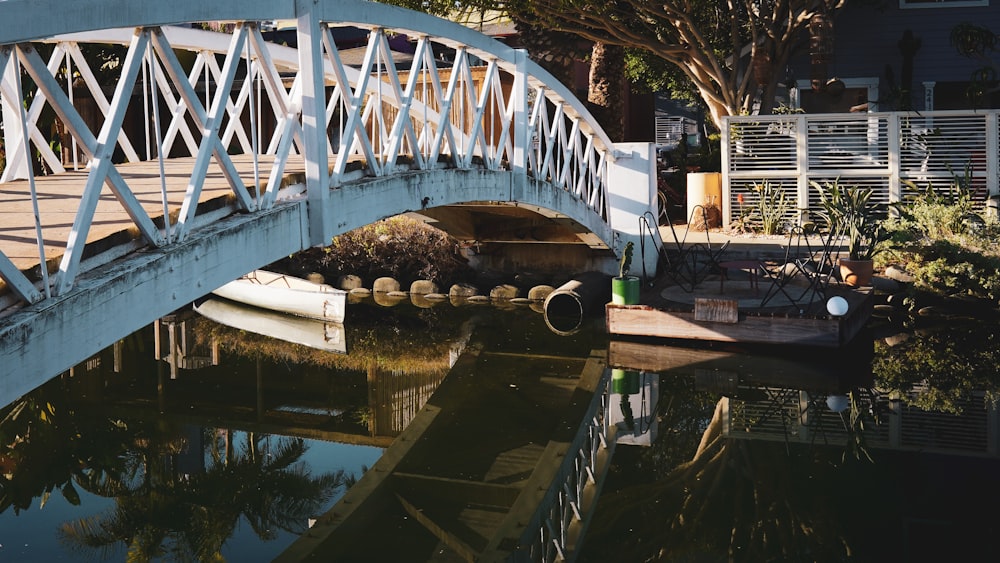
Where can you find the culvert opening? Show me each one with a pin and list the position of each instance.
(566, 307)
(563, 313)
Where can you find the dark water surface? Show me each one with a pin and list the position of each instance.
(190, 440)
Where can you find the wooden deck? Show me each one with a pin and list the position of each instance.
(59, 198)
(712, 313)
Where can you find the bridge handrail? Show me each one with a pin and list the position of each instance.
(557, 141)
(31, 20)
(556, 531)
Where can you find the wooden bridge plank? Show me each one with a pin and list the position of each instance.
(59, 197)
(445, 533)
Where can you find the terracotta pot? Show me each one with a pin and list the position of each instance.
(857, 273)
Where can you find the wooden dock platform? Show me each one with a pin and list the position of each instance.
(734, 314)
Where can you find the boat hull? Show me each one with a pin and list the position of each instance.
(287, 294)
(320, 335)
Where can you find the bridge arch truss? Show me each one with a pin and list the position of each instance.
(266, 150)
(490, 109)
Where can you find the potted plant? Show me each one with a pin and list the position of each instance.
(625, 288)
(850, 212)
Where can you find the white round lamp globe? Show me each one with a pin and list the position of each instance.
(838, 403)
(837, 306)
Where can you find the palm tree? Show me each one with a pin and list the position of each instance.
(606, 94)
(159, 512)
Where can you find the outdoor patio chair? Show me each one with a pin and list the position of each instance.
(687, 264)
(805, 273)
(711, 254)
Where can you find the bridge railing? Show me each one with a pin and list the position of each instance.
(210, 102)
(557, 530)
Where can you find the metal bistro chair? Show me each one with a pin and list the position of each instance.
(815, 267)
(671, 261)
(706, 259)
(686, 264)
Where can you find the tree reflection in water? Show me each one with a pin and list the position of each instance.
(45, 448)
(161, 512)
(866, 494)
(178, 492)
(737, 500)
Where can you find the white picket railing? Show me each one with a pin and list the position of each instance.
(556, 531)
(496, 110)
(883, 151)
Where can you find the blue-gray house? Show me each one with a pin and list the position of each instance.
(891, 55)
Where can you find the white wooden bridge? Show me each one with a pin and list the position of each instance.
(188, 157)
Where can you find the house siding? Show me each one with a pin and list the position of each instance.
(867, 42)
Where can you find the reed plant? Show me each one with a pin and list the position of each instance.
(771, 207)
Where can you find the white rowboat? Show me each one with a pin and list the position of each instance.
(287, 294)
(321, 335)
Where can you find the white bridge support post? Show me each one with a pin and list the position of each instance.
(631, 194)
(310, 47)
(519, 95)
(11, 116)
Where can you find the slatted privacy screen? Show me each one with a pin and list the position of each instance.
(751, 192)
(888, 152)
(795, 416)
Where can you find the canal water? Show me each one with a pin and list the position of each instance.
(193, 440)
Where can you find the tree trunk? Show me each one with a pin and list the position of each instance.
(606, 94)
(555, 51)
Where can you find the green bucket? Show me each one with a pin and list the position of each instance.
(625, 381)
(625, 291)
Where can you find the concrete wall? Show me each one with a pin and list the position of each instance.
(632, 181)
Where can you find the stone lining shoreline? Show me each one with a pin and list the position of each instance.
(387, 291)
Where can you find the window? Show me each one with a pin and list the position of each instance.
(956, 95)
(942, 3)
(854, 95)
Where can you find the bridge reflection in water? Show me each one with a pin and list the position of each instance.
(487, 467)
(490, 452)
(459, 449)
(502, 458)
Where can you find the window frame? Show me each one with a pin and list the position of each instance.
(931, 4)
(869, 82)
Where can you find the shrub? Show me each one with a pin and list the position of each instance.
(770, 207)
(851, 211)
(946, 268)
(399, 247)
(943, 213)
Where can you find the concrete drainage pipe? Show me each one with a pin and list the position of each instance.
(567, 306)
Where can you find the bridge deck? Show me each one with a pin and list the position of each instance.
(59, 198)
